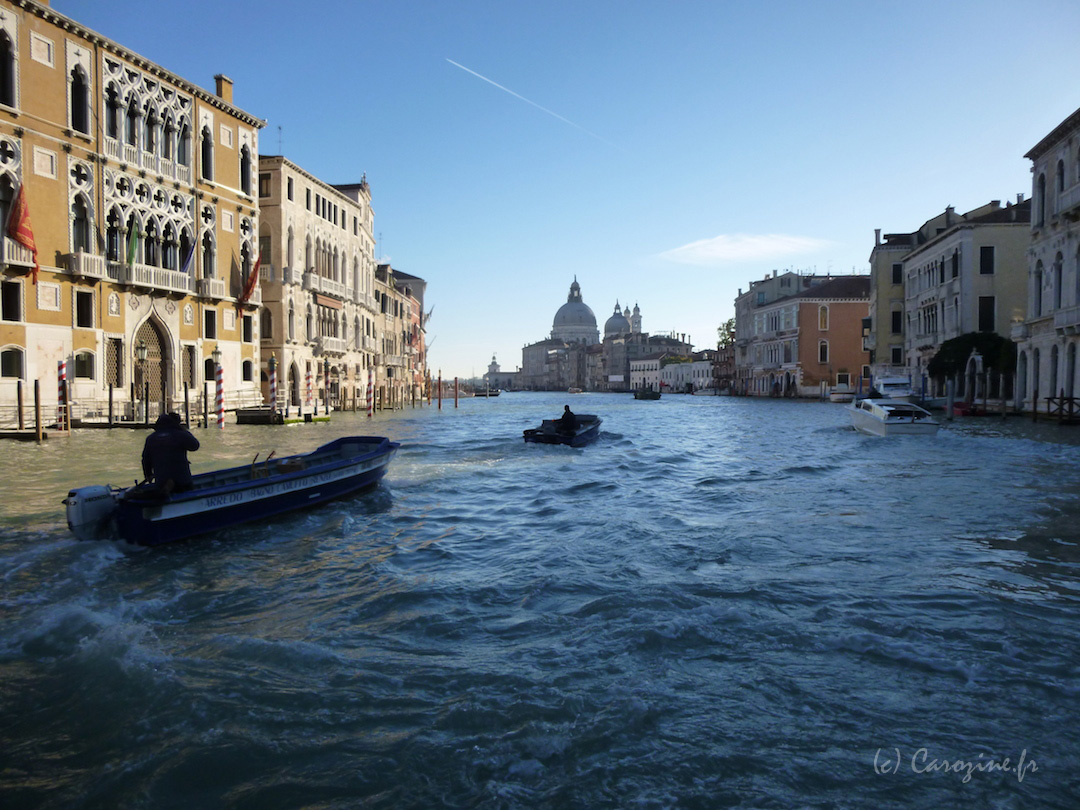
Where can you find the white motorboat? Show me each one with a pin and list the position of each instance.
(890, 417)
(894, 388)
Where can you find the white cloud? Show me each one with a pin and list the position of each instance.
(738, 247)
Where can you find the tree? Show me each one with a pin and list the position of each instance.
(726, 334)
(951, 359)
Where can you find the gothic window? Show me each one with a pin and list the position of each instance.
(186, 252)
(266, 326)
(168, 139)
(131, 131)
(207, 256)
(207, 154)
(168, 248)
(150, 130)
(113, 237)
(7, 71)
(292, 322)
(112, 112)
(245, 169)
(152, 245)
(80, 102)
(1040, 201)
(80, 225)
(183, 146)
(823, 318)
(823, 351)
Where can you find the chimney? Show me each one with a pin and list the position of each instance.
(877, 236)
(224, 87)
(1019, 198)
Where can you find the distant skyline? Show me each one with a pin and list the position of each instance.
(666, 154)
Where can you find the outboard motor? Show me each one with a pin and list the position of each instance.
(90, 511)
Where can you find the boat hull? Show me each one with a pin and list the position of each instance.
(146, 516)
(891, 418)
(588, 430)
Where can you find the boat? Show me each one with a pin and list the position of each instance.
(573, 390)
(895, 388)
(487, 392)
(146, 514)
(890, 417)
(842, 393)
(588, 428)
(646, 393)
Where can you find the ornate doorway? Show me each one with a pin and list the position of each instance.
(154, 370)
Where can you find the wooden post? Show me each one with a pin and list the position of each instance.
(18, 390)
(37, 410)
(438, 392)
(110, 404)
(187, 406)
(950, 394)
(1001, 391)
(146, 403)
(455, 392)
(205, 405)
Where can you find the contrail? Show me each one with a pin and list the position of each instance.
(533, 103)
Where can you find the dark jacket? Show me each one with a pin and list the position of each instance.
(164, 456)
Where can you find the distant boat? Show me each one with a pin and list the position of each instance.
(148, 515)
(895, 388)
(842, 393)
(646, 393)
(588, 428)
(487, 392)
(573, 390)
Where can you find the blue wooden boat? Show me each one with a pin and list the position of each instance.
(588, 428)
(147, 515)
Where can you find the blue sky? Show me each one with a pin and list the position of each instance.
(665, 153)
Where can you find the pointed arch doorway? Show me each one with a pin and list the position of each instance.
(151, 376)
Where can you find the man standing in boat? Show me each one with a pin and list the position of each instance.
(567, 422)
(164, 456)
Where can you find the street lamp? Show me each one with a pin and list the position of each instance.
(141, 352)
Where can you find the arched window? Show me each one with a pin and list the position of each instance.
(206, 154)
(152, 244)
(168, 139)
(84, 366)
(1053, 371)
(1037, 292)
(266, 325)
(1059, 270)
(307, 256)
(80, 227)
(131, 254)
(186, 252)
(1059, 177)
(1040, 201)
(208, 268)
(7, 71)
(131, 131)
(248, 371)
(292, 322)
(183, 146)
(309, 325)
(245, 169)
(823, 318)
(823, 351)
(11, 363)
(245, 262)
(150, 130)
(113, 236)
(209, 370)
(80, 102)
(112, 112)
(168, 247)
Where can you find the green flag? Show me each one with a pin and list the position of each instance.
(133, 244)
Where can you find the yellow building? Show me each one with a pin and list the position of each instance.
(140, 190)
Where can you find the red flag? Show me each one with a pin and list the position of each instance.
(249, 285)
(19, 227)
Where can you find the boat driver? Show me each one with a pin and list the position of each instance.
(567, 422)
(164, 456)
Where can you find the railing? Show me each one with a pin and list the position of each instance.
(112, 148)
(11, 252)
(334, 345)
(86, 264)
(210, 288)
(313, 281)
(1070, 198)
(137, 158)
(1067, 320)
(131, 154)
(145, 275)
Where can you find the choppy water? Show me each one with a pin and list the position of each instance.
(721, 603)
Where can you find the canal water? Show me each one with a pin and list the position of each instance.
(720, 603)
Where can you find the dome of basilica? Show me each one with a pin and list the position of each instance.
(575, 321)
(617, 324)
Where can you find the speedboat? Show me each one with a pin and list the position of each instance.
(894, 388)
(147, 514)
(549, 432)
(890, 417)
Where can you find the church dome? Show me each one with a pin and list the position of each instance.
(575, 321)
(617, 324)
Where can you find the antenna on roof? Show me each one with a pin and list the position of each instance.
(279, 151)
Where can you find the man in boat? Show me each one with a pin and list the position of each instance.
(567, 422)
(164, 456)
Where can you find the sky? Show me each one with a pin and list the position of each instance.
(665, 154)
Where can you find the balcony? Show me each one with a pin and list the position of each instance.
(210, 288)
(1067, 321)
(1020, 331)
(1068, 202)
(332, 345)
(154, 278)
(14, 254)
(136, 158)
(86, 265)
(316, 283)
(255, 299)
